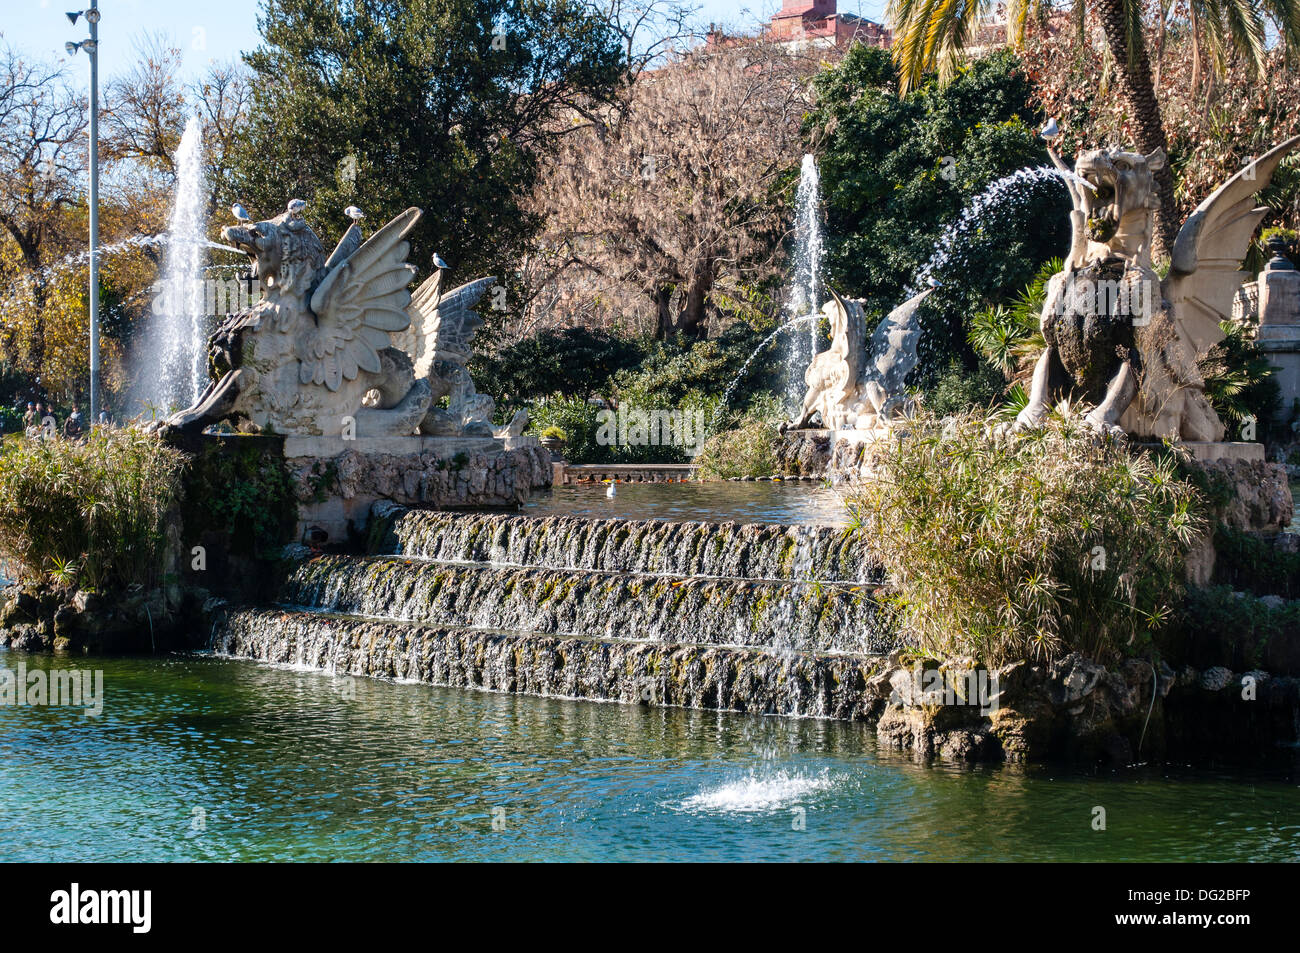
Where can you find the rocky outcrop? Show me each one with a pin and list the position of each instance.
(803, 453)
(477, 478)
(1249, 494)
(1078, 710)
(48, 619)
(337, 490)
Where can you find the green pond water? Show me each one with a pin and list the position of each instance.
(204, 758)
(758, 502)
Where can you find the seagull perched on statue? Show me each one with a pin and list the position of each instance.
(1051, 130)
(438, 262)
(354, 213)
(240, 213)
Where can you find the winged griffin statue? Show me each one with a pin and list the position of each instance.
(1117, 335)
(337, 345)
(858, 383)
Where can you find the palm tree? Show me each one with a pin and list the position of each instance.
(930, 34)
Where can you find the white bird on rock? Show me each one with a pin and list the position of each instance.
(354, 213)
(240, 213)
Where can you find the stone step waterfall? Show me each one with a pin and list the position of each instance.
(761, 618)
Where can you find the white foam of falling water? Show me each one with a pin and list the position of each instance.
(806, 290)
(182, 341)
(756, 793)
(1010, 191)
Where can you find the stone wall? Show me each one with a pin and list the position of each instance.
(803, 453)
(337, 484)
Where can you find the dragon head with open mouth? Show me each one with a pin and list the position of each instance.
(1123, 189)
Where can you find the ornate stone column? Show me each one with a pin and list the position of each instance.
(1279, 323)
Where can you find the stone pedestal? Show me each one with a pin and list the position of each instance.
(337, 481)
(1279, 326)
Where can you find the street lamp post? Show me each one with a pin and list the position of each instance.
(91, 46)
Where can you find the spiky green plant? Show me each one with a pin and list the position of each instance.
(750, 449)
(89, 512)
(1239, 380)
(1008, 336)
(1026, 546)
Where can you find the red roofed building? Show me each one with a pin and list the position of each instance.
(816, 23)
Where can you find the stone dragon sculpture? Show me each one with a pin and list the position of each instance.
(856, 383)
(1117, 336)
(330, 349)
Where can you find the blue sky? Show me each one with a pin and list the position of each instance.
(220, 29)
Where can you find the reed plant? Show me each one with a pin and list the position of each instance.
(1027, 546)
(88, 513)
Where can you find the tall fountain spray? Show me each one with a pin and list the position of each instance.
(806, 290)
(181, 368)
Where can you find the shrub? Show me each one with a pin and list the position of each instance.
(899, 169)
(1239, 382)
(1030, 545)
(87, 512)
(679, 372)
(748, 450)
(1247, 562)
(573, 361)
(576, 418)
(960, 390)
(1220, 626)
(11, 421)
(240, 486)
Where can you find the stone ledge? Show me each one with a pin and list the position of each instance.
(298, 447)
(1208, 451)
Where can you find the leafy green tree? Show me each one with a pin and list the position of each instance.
(929, 35)
(896, 170)
(443, 104)
(577, 362)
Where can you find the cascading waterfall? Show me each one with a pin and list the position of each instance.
(182, 341)
(769, 552)
(750, 617)
(806, 290)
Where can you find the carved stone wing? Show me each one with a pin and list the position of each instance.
(442, 325)
(894, 345)
(1205, 268)
(358, 304)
